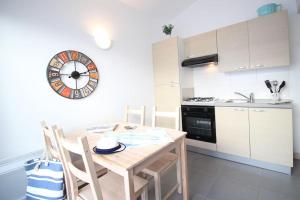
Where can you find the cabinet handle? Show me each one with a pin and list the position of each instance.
(259, 65)
(239, 109)
(258, 110)
(174, 84)
(240, 68)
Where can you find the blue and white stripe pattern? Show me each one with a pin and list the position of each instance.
(45, 180)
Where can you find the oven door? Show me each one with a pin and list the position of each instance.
(199, 126)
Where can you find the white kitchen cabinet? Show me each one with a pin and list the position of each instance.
(166, 78)
(201, 45)
(271, 135)
(269, 41)
(233, 47)
(166, 61)
(167, 97)
(232, 130)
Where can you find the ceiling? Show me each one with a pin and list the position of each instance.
(163, 9)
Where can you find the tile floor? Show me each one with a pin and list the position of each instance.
(216, 179)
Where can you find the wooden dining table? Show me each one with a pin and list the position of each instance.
(131, 161)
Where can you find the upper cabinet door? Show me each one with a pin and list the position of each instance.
(200, 45)
(166, 62)
(233, 47)
(269, 41)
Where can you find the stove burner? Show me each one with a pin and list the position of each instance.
(201, 99)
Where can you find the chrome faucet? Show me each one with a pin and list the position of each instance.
(250, 99)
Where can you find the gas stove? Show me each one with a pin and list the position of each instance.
(200, 99)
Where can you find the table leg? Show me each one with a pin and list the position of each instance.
(178, 169)
(184, 170)
(129, 186)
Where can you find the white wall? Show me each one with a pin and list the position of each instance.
(204, 16)
(33, 31)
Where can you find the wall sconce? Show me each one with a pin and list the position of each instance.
(102, 39)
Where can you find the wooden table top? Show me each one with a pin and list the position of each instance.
(130, 157)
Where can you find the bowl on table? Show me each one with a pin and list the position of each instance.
(108, 146)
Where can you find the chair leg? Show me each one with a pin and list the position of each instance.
(178, 169)
(157, 185)
(144, 195)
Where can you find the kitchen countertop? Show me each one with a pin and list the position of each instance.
(259, 103)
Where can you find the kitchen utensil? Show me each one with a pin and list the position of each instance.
(268, 84)
(116, 127)
(130, 127)
(274, 85)
(268, 9)
(281, 86)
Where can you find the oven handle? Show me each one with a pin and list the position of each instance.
(207, 115)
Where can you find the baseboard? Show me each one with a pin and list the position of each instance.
(297, 155)
(10, 164)
(247, 161)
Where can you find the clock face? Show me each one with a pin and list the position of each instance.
(72, 74)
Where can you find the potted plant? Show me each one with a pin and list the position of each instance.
(167, 29)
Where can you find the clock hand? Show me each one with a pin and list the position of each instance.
(75, 65)
(84, 72)
(76, 83)
(66, 75)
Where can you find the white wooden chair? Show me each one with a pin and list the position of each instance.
(108, 187)
(54, 153)
(140, 112)
(168, 160)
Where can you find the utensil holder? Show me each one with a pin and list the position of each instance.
(276, 97)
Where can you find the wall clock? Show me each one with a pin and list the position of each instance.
(72, 74)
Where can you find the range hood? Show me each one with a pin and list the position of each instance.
(200, 61)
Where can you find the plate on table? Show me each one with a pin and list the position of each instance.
(102, 128)
(120, 147)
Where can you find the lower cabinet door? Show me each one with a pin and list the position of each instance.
(167, 99)
(271, 135)
(232, 128)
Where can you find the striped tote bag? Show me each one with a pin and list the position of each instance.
(45, 180)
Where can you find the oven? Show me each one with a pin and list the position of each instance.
(199, 122)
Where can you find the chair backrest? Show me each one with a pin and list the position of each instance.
(140, 112)
(51, 145)
(175, 115)
(81, 147)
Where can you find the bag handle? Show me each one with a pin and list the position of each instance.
(45, 158)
